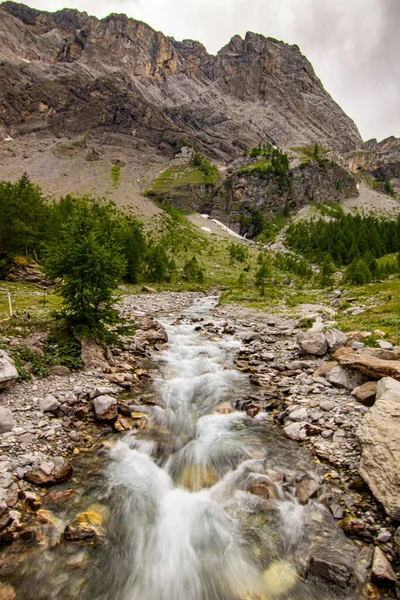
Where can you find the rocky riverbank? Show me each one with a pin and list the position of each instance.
(49, 424)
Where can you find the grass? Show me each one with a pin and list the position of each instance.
(175, 178)
(115, 173)
(277, 297)
(32, 316)
(26, 299)
(382, 304)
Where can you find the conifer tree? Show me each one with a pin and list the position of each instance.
(327, 272)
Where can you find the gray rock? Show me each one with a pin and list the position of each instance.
(379, 434)
(267, 356)
(358, 345)
(345, 378)
(297, 431)
(382, 570)
(384, 537)
(327, 433)
(300, 414)
(334, 569)
(327, 405)
(101, 391)
(8, 372)
(49, 404)
(311, 342)
(6, 420)
(385, 345)
(336, 339)
(105, 408)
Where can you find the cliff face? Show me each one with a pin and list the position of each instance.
(380, 160)
(69, 73)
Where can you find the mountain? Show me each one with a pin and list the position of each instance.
(68, 73)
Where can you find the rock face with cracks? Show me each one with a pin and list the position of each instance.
(379, 434)
(70, 72)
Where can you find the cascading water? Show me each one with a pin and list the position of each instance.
(183, 519)
(200, 505)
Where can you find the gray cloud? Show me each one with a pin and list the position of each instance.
(353, 44)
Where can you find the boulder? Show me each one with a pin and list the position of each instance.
(105, 408)
(312, 342)
(345, 378)
(366, 393)
(8, 372)
(93, 356)
(150, 331)
(335, 339)
(368, 365)
(49, 404)
(379, 434)
(6, 420)
(382, 570)
(59, 371)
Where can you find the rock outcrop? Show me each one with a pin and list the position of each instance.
(380, 160)
(379, 434)
(368, 365)
(68, 72)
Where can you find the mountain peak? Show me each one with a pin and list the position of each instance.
(119, 74)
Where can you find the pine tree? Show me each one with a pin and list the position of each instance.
(327, 272)
(263, 273)
(88, 263)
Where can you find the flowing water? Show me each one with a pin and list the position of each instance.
(200, 505)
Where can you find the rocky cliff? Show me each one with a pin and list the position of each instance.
(380, 160)
(68, 73)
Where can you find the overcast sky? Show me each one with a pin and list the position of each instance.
(354, 45)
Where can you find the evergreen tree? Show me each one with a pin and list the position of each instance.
(327, 272)
(88, 264)
(192, 270)
(358, 272)
(263, 273)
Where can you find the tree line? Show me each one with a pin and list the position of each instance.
(87, 246)
(344, 237)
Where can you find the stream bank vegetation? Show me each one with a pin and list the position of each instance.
(93, 252)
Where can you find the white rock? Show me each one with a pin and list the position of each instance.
(8, 372)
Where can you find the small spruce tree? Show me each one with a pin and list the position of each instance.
(327, 272)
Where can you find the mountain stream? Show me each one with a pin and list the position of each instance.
(200, 504)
